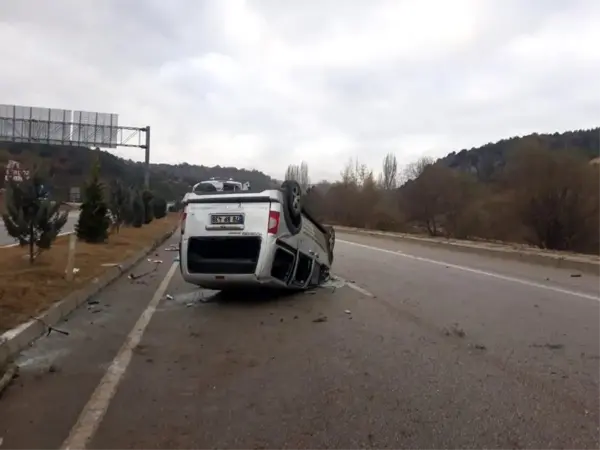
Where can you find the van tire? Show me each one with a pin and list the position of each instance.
(292, 205)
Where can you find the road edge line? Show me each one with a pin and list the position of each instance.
(498, 276)
(512, 254)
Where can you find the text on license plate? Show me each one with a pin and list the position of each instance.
(227, 219)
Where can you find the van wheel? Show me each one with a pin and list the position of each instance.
(292, 205)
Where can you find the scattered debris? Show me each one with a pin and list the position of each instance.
(348, 311)
(170, 297)
(93, 302)
(320, 319)
(548, 346)
(333, 282)
(456, 331)
(189, 304)
(75, 269)
(49, 329)
(176, 259)
(172, 248)
(111, 265)
(575, 275)
(156, 262)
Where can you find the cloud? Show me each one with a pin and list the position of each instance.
(265, 83)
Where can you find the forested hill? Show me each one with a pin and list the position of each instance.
(69, 166)
(485, 161)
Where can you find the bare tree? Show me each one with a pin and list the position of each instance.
(299, 173)
(389, 175)
(292, 172)
(414, 170)
(348, 175)
(303, 177)
(361, 172)
(556, 196)
(435, 198)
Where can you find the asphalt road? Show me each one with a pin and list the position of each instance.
(420, 349)
(5, 239)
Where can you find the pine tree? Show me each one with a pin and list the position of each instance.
(119, 204)
(138, 212)
(160, 207)
(31, 216)
(148, 200)
(93, 221)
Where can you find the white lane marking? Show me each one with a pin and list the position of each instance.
(96, 407)
(479, 272)
(359, 289)
(355, 286)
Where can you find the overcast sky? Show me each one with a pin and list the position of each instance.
(262, 84)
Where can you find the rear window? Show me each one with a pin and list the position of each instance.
(229, 187)
(204, 188)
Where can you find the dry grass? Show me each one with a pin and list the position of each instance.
(27, 290)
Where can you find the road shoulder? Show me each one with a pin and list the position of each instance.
(58, 373)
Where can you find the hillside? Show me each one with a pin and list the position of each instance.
(485, 161)
(69, 166)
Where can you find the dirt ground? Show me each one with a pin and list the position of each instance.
(27, 290)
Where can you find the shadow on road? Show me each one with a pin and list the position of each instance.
(250, 297)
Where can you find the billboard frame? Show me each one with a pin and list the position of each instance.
(30, 130)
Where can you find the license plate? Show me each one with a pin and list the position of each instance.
(227, 219)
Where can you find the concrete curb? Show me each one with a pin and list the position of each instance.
(14, 341)
(582, 263)
(9, 373)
